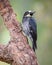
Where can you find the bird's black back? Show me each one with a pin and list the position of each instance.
(33, 25)
(33, 32)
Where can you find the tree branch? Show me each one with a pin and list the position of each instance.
(3, 56)
(17, 52)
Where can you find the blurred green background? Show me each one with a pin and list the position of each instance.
(43, 17)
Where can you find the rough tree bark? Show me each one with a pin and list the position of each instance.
(17, 52)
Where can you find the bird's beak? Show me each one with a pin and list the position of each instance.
(33, 12)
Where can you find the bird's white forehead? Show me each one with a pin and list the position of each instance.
(30, 11)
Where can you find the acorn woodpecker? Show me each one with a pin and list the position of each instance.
(29, 27)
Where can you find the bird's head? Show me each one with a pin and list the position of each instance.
(28, 14)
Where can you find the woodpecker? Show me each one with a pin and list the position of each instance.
(29, 27)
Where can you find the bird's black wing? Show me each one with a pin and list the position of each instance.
(33, 31)
(33, 26)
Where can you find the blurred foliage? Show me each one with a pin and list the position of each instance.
(43, 17)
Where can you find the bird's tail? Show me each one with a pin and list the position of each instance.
(34, 45)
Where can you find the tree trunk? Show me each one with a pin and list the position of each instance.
(18, 51)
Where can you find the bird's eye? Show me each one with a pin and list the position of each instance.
(31, 13)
